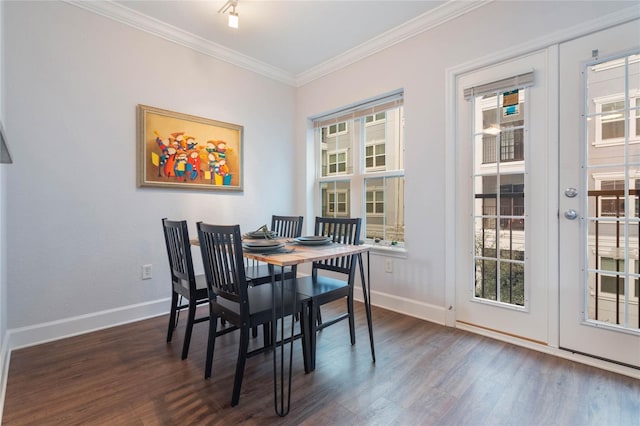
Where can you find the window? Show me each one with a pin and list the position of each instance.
(610, 196)
(335, 199)
(370, 119)
(499, 193)
(361, 166)
(612, 121)
(609, 119)
(375, 202)
(337, 162)
(612, 206)
(374, 157)
(511, 147)
(337, 202)
(338, 128)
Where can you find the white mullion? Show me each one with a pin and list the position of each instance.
(627, 111)
(498, 196)
(474, 213)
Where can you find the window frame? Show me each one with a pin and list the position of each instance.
(358, 175)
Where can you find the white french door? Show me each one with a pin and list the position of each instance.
(502, 198)
(599, 198)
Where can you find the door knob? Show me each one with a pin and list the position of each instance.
(571, 214)
(570, 192)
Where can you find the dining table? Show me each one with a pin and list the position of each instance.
(292, 254)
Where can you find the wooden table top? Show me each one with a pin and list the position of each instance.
(302, 253)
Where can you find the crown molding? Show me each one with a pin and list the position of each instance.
(428, 20)
(142, 22)
(437, 16)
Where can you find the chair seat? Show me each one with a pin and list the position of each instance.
(201, 288)
(260, 303)
(322, 286)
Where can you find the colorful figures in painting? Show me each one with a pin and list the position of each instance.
(183, 159)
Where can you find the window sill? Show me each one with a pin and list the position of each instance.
(388, 250)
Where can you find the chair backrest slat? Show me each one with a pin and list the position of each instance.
(176, 236)
(287, 226)
(221, 247)
(342, 231)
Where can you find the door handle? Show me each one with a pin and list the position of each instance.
(571, 192)
(571, 214)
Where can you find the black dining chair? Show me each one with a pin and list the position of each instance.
(321, 288)
(285, 227)
(185, 284)
(260, 273)
(232, 299)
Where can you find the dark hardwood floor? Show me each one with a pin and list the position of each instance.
(425, 374)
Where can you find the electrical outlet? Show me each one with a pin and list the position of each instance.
(388, 265)
(146, 272)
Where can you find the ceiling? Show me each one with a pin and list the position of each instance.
(294, 41)
(291, 35)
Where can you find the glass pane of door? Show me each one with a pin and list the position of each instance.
(612, 174)
(499, 194)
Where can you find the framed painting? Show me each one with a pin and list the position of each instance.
(184, 151)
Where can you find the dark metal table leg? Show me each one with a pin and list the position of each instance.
(366, 292)
(279, 403)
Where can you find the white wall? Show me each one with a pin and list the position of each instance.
(78, 227)
(4, 364)
(419, 65)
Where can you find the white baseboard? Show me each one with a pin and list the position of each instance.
(404, 306)
(41, 333)
(46, 332)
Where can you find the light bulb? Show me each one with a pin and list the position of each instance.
(233, 20)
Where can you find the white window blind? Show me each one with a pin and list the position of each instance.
(361, 109)
(515, 82)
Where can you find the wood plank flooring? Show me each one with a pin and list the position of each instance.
(425, 374)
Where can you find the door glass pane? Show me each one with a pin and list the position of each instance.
(486, 272)
(613, 183)
(499, 197)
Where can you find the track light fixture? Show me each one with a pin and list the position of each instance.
(233, 15)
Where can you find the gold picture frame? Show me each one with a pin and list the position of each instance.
(183, 151)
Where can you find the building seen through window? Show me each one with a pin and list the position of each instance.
(361, 167)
